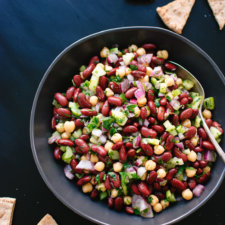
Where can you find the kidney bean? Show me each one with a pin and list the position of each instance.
(131, 153)
(82, 145)
(117, 64)
(112, 72)
(178, 184)
(94, 60)
(175, 119)
(199, 171)
(70, 93)
(216, 124)
(134, 188)
(115, 180)
(158, 128)
(130, 93)
(157, 60)
(191, 132)
(94, 194)
(203, 179)
(129, 145)
(76, 93)
(53, 123)
(149, 46)
(194, 113)
(143, 188)
(123, 154)
(152, 107)
(118, 204)
(186, 114)
(168, 106)
(169, 142)
(148, 133)
(163, 101)
(156, 186)
(202, 133)
(208, 122)
(130, 129)
(141, 67)
(65, 142)
(202, 163)
(189, 144)
(84, 180)
(136, 124)
(73, 164)
(192, 183)
(79, 123)
(152, 120)
(184, 101)
(166, 156)
(57, 153)
(99, 149)
(208, 145)
(87, 72)
(105, 109)
(147, 149)
(195, 164)
(137, 74)
(63, 112)
(101, 176)
(77, 80)
(77, 150)
(164, 136)
(83, 102)
(161, 112)
(107, 183)
(100, 93)
(115, 101)
(171, 174)
(170, 66)
(84, 137)
(115, 87)
(183, 95)
(129, 209)
(88, 112)
(110, 202)
(180, 155)
(198, 149)
(103, 82)
(151, 95)
(190, 99)
(61, 99)
(134, 63)
(151, 178)
(117, 145)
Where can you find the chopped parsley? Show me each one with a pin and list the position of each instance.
(123, 98)
(115, 78)
(112, 131)
(107, 122)
(113, 175)
(103, 195)
(133, 67)
(131, 107)
(98, 178)
(157, 102)
(150, 200)
(94, 123)
(168, 98)
(137, 211)
(160, 161)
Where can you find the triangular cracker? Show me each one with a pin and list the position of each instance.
(47, 220)
(175, 14)
(218, 8)
(7, 206)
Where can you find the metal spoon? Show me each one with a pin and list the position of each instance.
(185, 74)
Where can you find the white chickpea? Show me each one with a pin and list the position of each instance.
(137, 112)
(187, 194)
(179, 81)
(121, 72)
(144, 79)
(148, 70)
(127, 200)
(66, 135)
(186, 123)
(194, 140)
(117, 166)
(157, 207)
(132, 48)
(169, 81)
(86, 188)
(109, 92)
(108, 145)
(60, 127)
(207, 114)
(69, 126)
(150, 165)
(83, 157)
(206, 169)
(161, 173)
(142, 101)
(154, 200)
(93, 100)
(190, 172)
(162, 54)
(114, 193)
(94, 158)
(143, 177)
(158, 149)
(101, 187)
(116, 137)
(192, 156)
(99, 166)
(141, 51)
(128, 70)
(104, 52)
(164, 203)
(85, 130)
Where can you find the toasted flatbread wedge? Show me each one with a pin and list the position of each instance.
(218, 8)
(47, 220)
(7, 206)
(175, 14)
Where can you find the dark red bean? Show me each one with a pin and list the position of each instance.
(134, 188)
(131, 153)
(216, 124)
(73, 164)
(171, 174)
(70, 93)
(82, 145)
(148, 133)
(63, 112)
(53, 123)
(199, 171)
(77, 80)
(170, 66)
(137, 74)
(61, 99)
(100, 93)
(129, 145)
(191, 132)
(169, 142)
(79, 123)
(87, 72)
(149, 46)
(166, 156)
(84, 180)
(84, 137)
(196, 164)
(189, 145)
(192, 183)
(157, 60)
(198, 149)
(194, 114)
(175, 119)
(152, 120)
(143, 188)
(105, 109)
(208, 122)
(88, 112)
(141, 67)
(130, 129)
(107, 183)
(134, 63)
(112, 72)
(184, 101)
(180, 155)
(76, 93)
(94, 60)
(115, 87)
(99, 149)
(110, 202)
(202, 163)
(186, 114)
(183, 95)
(115, 180)
(202, 133)
(164, 136)
(160, 195)
(151, 95)
(130, 93)
(159, 128)
(178, 184)
(115, 101)
(57, 153)
(147, 149)
(117, 145)
(161, 112)
(118, 204)
(136, 124)
(208, 145)
(168, 106)
(152, 107)
(151, 177)
(156, 186)
(203, 178)
(65, 142)
(129, 210)
(163, 101)
(123, 154)
(144, 113)
(94, 194)
(83, 102)
(103, 82)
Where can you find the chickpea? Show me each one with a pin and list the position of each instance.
(192, 156)
(142, 101)
(99, 166)
(206, 169)
(162, 54)
(207, 114)
(155, 200)
(93, 100)
(108, 145)
(128, 70)
(164, 203)
(137, 112)
(144, 79)
(190, 172)
(60, 127)
(169, 81)
(179, 81)
(133, 48)
(148, 70)
(83, 157)
(109, 92)
(150, 165)
(86, 188)
(85, 130)
(120, 54)
(141, 51)
(94, 158)
(121, 72)
(66, 135)
(187, 194)
(104, 52)
(117, 166)
(101, 187)
(161, 173)
(158, 149)
(116, 137)
(69, 126)
(114, 193)
(127, 200)
(144, 176)
(194, 140)
(186, 123)
(157, 207)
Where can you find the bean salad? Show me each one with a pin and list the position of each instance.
(128, 131)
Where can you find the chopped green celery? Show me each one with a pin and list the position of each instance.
(107, 122)
(188, 84)
(98, 70)
(215, 132)
(94, 123)
(196, 102)
(163, 88)
(103, 195)
(123, 98)
(63, 148)
(114, 155)
(67, 156)
(181, 129)
(77, 133)
(197, 122)
(82, 68)
(218, 140)
(194, 94)
(170, 128)
(176, 92)
(74, 107)
(124, 181)
(153, 80)
(94, 82)
(127, 58)
(174, 162)
(152, 141)
(119, 117)
(170, 196)
(180, 173)
(114, 50)
(56, 104)
(209, 103)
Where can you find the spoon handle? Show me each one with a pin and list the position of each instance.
(212, 139)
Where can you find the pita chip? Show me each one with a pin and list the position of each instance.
(175, 14)
(7, 206)
(218, 8)
(47, 220)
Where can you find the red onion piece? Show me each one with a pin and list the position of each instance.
(85, 165)
(146, 122)
(137, 142)
(175, 104)
(209, 156)
(139, 94)
(181, 136)
(157, 72)
(124, 85)
(197, 191)
(133, 101)
(68, 173)
(55, 137)
(112, 58)
(144, 59)
(141, 171)
(180, 145)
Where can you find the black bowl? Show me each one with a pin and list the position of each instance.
(58, 78)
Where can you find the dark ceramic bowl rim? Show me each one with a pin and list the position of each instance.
(59, 196)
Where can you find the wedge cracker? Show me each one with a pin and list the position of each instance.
(47, 220)
(7, 206)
